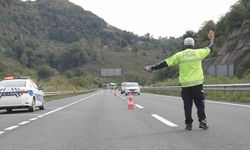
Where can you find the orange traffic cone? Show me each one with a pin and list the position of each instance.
(131, 104)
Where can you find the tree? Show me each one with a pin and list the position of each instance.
(189, 33)
(19, 48)
(45, 71)
(24, 59)
(73, 58)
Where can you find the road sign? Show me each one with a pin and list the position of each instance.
(111, 72)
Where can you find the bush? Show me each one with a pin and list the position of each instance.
(45, 71)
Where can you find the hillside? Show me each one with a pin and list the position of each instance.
(233, 38)
(58, 42)
(47, 38)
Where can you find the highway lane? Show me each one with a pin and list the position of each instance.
(102, 121)
(18, 115)
(229, 123)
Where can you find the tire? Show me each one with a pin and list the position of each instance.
(32, 108)
(9, 110)
(42, 107)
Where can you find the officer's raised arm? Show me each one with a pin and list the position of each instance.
(160, 65)
(210, 36)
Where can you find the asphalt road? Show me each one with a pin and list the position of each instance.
(102, 121)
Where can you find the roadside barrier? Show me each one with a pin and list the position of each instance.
(208, 87)
(66, 92)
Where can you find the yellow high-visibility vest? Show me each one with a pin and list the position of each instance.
(190, 65)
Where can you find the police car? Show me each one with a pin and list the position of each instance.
(22, 92)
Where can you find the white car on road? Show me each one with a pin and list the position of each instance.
(20, 93)
(132, 87)
(123, 86)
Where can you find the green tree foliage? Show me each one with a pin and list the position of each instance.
(243, 68)
(166, 73)
(2, 67)
(74, 57)
(237, 18)
(190, 33)
(171, 45)
(45, 71)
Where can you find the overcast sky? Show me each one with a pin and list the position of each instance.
(157, 17)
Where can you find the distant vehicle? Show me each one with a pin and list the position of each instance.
(123, 85)
(20, 93)
(132, 87)
(112, 85)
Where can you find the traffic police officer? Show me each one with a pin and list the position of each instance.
(190, 77)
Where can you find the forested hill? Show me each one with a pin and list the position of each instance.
(233, 39)
(58, 40)
(58, 20)
(45, 38)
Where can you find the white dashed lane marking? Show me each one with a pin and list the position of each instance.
(11, 128)
(40, 116)
(139, 106)
(23, 123)
(48, 113)
(33, 119)
(165, 121)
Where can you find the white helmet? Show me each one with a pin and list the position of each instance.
(189, 41)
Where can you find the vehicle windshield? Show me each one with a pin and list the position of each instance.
(132, 85)
(124, 84)
(12, 84)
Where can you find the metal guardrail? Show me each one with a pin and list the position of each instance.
(65, 92)
(208, 87)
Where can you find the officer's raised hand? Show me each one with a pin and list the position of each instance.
(148, 68)
(210, 35)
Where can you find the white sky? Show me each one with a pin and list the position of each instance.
(157, 17)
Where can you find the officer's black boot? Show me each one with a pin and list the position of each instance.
(188, 127)
(203, 124)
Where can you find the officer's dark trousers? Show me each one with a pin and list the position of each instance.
(196, 94)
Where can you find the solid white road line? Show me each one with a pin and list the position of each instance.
(139, 106)
(23, 123)
(230, 104)
(20, 115)
(40, 116)
(171, 124)
(60, 108)
(50, 112)
(32, 119)
(208, 101)
(11, 128)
